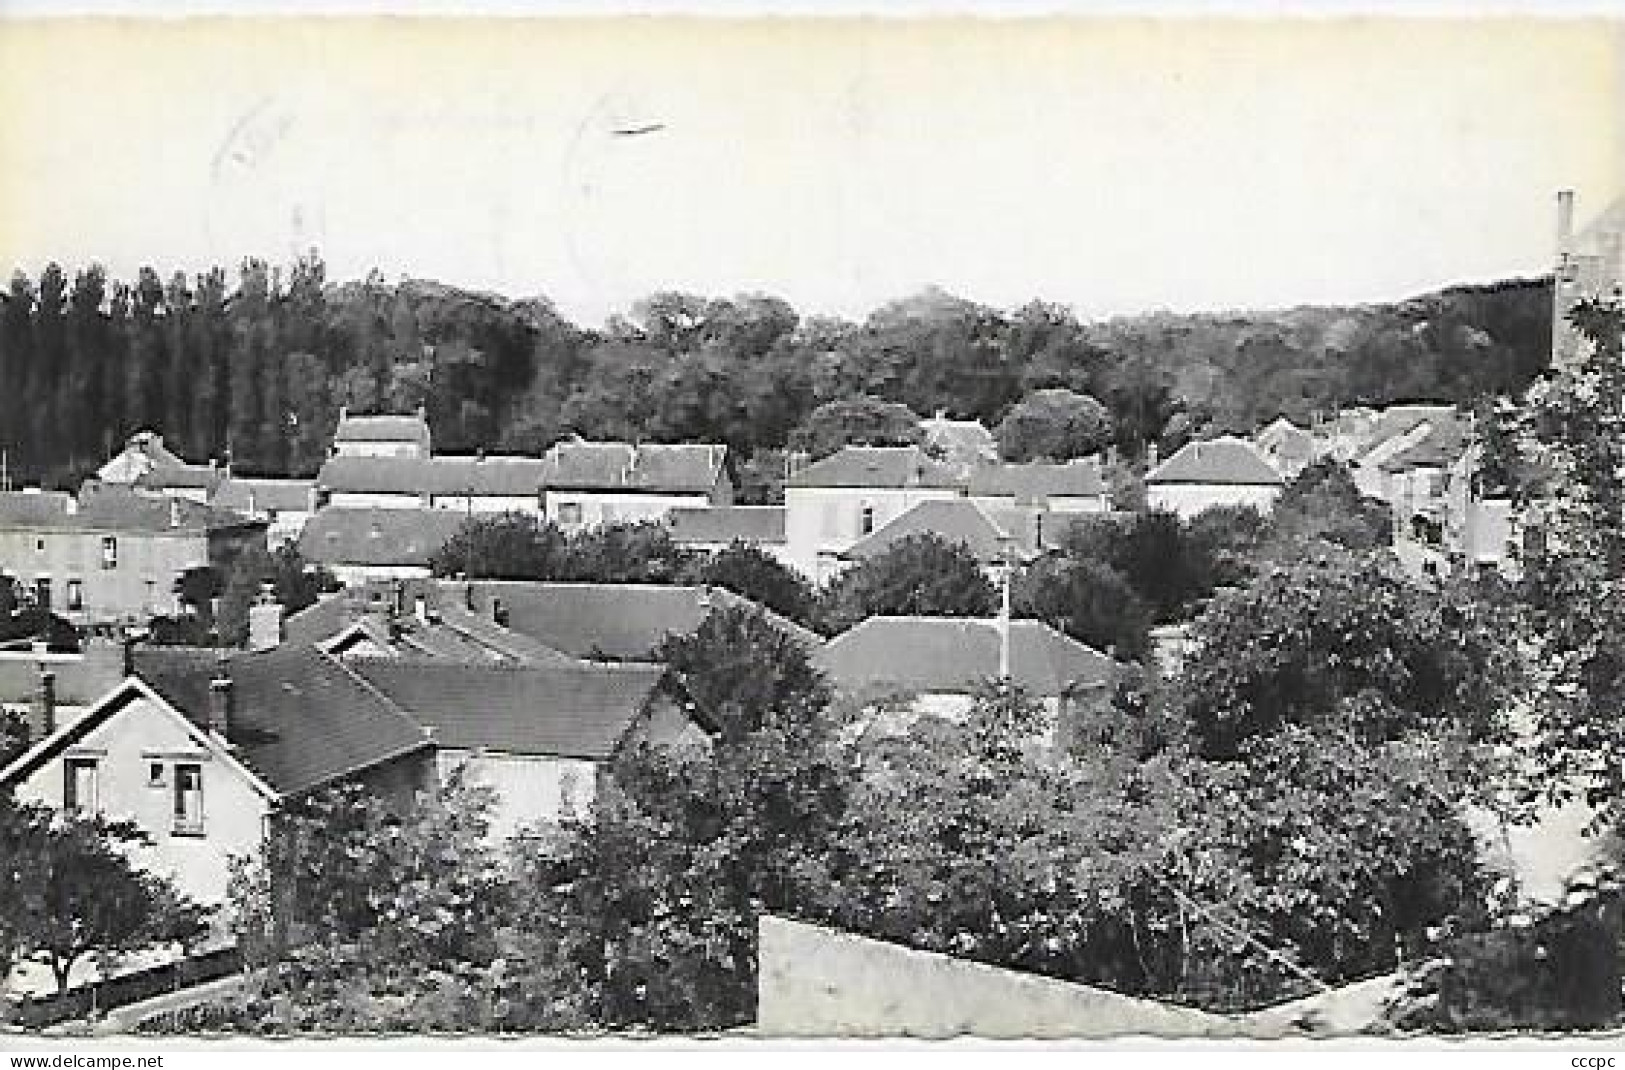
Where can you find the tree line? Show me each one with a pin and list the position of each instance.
(256, 366)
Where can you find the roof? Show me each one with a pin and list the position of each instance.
(447, 476)
(405, 537)
(116, 509)
(299, 719)
(180, 477)
(451, 632)
(608, 621)
(559, 710)
(754, 524)
(953, 520)
(1081, 478)
(1401, 419)
(671, 468)
(1441, 447)
(1230, 461)
(143, 451)
(879, 467)
(81, 679)
(250, 495)
(953, 655)
(966, 439)
(381, 428)
(1285, 439)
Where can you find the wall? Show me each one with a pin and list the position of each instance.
(488, 503)
(820, 522)
(351, 499)
(815, 981)
(124, 746)
(140, 585)
(362, 448)
(530, 789)
(1188, 499)
(357, 575)
(604, 507)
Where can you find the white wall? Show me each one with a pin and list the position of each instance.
(531, 790)
(488, 503)
(137, 736)
(820, 522)
(602, 508)
(361, 448)
(367, 500)
(355, 575)
(1188, 499)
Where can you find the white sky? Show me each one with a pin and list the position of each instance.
(1111, 164)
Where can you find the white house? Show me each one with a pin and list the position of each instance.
(384, 435)
(1224, 471)
(833, 503)
(589, 484)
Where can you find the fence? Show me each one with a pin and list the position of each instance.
(77, 1003)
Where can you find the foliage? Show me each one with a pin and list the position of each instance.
(1088, 600)
(197, 588)
(757, 575)
(922, 575)
(1322, 503)
(520, 546)
(1305, 638)
(1169, 563)
(72, 891)
(859, 421)
(1054, 424)
(294, 582)
(13, 736)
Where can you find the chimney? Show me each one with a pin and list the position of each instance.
(220, 703)
(127, 653)
(265, 620)
(44, 719)
(468, 597)
(174, 513)
(1150, 455)
(344, 413)
(1565, 226)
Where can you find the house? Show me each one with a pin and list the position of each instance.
(1428, 483)
(997, 538)
(495, 484)
(284, 504)
(1395, 430)
(937, 664)
(358, 545)
(194, 482)
(143, 452)
(382, 435)
(588, 484)
(963, 445)
(1224, 471)
(201, 752)
(610, 622)
(833, 503)
(111, 554)
(1590, 264)
(1076, 486)
(718, 527)
(1344, 434)
(1286, 446)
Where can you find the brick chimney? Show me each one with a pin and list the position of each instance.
(221, 702)
(265, 620)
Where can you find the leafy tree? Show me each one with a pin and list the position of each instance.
(858, 421)
(625, 553)
(78, 894)
(752, 572)
(1304, 638)
(1155, 552)
(1088, 600)
(1055, 425)
(294, 582)
(506, 546)
(197, 588)
(921, 575)
(1322, 503)
(13, 737)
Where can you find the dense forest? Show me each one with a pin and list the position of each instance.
(256, 367)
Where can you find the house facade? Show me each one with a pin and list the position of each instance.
(591, 484)
(361, 545)
(111, 554)
(382, 435)
(833, 503)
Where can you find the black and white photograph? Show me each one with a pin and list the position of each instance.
(576, 523)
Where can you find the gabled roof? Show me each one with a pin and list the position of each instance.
(683, 468)
(558, 710)
(878, 467)
(180, 477)
(1441, 447)
(256, 495)
(1283, 438)
(300, 719)
(1398, 420)
(955, 655)
(1038, 481)
(450, 633)
(116, 509)
(722, 524)
(382, 428)
(953, 520)
(404, 537)
(608, 621)
(143, 451)
(960, 439)
(1228, 461)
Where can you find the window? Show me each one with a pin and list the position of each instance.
(155, 774)
(76, 594)
(188, 799)
(39, 545)
(109, 551)
(866, 519)
(569, 512)
(79, 786)
(42, 592)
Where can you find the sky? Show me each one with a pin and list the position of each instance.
(1114, 164)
